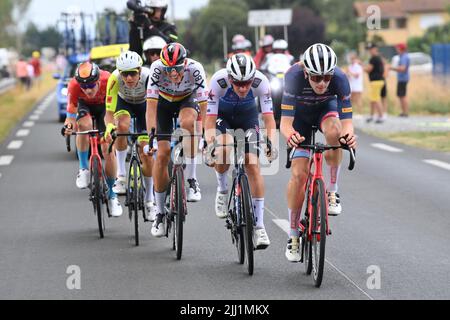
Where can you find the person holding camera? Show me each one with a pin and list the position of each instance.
(149, 20)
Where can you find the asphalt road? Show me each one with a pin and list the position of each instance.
(395, 223)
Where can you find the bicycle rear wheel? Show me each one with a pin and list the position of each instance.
(180, 207)
(319, 229)
(247, 222)
(96, 196)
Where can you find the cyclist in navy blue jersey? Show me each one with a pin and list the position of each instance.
(316, 93)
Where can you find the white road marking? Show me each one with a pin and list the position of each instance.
(6, 160)
(437, 163)
(34, 117)
(23, 133)
(284, 225)
(28, 124)
(15, 144)
(386, 147)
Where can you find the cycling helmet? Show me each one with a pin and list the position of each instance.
(267, 40)
(319, 59)
(280, 44)
(163, 4)
(241, 67)
(173, 54)
(87, 72)
(239, 46)
(247, 44)
(237, 38)
(154, 42)
(128, 61)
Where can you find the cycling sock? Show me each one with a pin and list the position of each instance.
(258, 209)
(121, 158)
(149, 189)
(160, 201)
(222, 181)
(191, 168)
(83, 158)
(334, 176)
(110, 182)
(293, 226)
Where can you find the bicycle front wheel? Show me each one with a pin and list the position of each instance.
(247, 222)
(319, 231)
(180, 197)
(96, 195)
(133, 193)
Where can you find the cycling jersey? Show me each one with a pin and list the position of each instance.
(117, 88)
(75, 94)
(193, 81)
(223, 98)
(298, 93)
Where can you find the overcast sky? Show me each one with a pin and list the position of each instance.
(46, 12)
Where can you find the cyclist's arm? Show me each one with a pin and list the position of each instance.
(262, 91)
(217, 89)
(112, 92)
(72, 103)
(289, 103)
(153, 96)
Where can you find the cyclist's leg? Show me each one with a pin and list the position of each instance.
(84, 123)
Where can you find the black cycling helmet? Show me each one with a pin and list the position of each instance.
(87, 72)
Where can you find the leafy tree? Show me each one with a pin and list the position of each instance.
(34, 39)
(437, 34)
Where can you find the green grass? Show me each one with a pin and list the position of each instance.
(16, 103)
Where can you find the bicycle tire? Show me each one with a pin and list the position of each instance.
(132, 192)
(236, 231)
(247, 227)
(180, 214)
(97, 196)
(319, 235)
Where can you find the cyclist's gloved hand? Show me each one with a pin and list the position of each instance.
(272, 153)
(109, 128)
(67, 129)
(295, 139)
(349, 140)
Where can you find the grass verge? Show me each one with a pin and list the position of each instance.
(17, 102)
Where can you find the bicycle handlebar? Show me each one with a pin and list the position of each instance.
(320, 147)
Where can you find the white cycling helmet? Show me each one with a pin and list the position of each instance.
(128, 60)
(267, 40)
(319, 59)
(241, 67)
(280, 44)
(155, 42)
(238, 38)
(157, 3)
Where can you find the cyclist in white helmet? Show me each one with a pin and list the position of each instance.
(125, 97)
(316, 93)
(152, 49)
(232, 109)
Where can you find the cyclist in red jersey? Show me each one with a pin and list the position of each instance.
(86, 98)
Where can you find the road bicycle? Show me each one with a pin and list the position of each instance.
(314, 228)
(240, 218)
(98, 187)
(135, 184)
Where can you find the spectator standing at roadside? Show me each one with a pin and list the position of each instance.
(36, 63)
(355, 74)
(375, 69)
(402, 77)
(22, 72)
(30, 78)
(384, 101)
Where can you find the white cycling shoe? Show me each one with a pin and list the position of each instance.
(194, 194)
(158, 226)
(293, 249)
(150, 209)
(82, 181)
(221, 204)
(120, 186)
(115, 208)
(334, 204)
(261, 239)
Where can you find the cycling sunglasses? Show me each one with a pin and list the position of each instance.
(133, 73)
(88, 85)
(318, 79)
(242, 83)
(177, 68)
